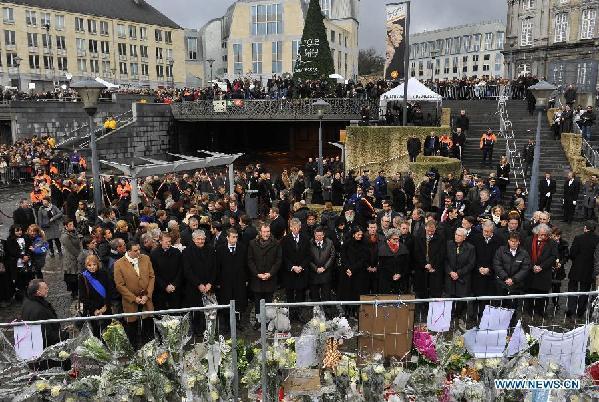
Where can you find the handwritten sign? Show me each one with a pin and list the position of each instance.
(29, 343)
(302, 381)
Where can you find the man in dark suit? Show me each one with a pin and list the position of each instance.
(322, 263)
(23, 216)
(248, 231)
(513, 226)
(571, 192)
(585, 257)
(486, 245)
(543, 253)
(168, 270)
(296, 264)
(429, 262)
(414, 148)
(277, 224)
(431, 145)
(459, 266)
(218, 237)
(231, 271)
(546, 191)
(387, 211)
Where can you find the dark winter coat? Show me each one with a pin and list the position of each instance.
(354, 257)
(264, 257)
(231, 275)
(168, 269)
(90, 298)
(426, 283)
(463, 265)
(295, 254)
(198, 269)
(322, 257)
(36, 309)
(515, 267)
(484, 285)
(542, 280)
(390, 264)
(582, 256)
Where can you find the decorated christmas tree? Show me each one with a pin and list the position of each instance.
(314, 60)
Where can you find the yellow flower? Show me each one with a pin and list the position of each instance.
(322, 327)
(191, 382)
(364, 377)
(63, 355)
(55, 391)
(138, 391)
(41, 386)
(214, 395)
(454, 358)
(459, 341)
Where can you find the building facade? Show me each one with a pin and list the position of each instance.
(48, 42)
(472, 50)
(555, 39)
(259, 38)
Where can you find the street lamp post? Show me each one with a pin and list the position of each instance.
(17, 60)
(211, 62)
(321, 107)
(541, 91)
(89, 90)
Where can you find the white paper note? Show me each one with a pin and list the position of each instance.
(439, 316)
(567, 350)
(29, 343)
(485, 343)
(517, 342)
(305, 349)
(496, 318)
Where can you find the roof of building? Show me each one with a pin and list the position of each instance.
(496, 23)
(127, 10)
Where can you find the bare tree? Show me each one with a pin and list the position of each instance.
(370, 62)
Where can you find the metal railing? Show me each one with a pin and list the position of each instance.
(82, 132)
(343, 109)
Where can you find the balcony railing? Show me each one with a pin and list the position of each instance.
(342, 109)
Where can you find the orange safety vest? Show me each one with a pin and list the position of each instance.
(53, 169)
(83, 163)
(123, 191)
(484, 140)
(446, 140)
(36, 198)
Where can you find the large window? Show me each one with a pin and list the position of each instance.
(325, 6)
(561, 27)
(158, 35)
(9, 15)
(62, 63)
(145, 70)
(476, 43)
(526, 33)
(488, 41)
(500, 40)
(143, 50)
(79, 24)
(143, 33)
(466, 40)
(277, 57)
(160, 71)
(11, 59)
(448, 43)
(528, 4)
(498, 63)
(133, 50)
(81, 45)
(93, 46)
(46, 20)
(257, 58)
(121, 31)
(587, 29)
(60, 43)
(294, 53)
(456, 65)
(81, 65)
(105, 46)
(192, 48)
(94, 66)
(237, 59)
(168, 37)
(92, 26)
(34, 61)
(132, 32)
(123, 68)
(446, 66)
(122, 49)
(103, 27)
(31, 39)
(159, 55)
(59, 26)
(267, 19)
(31, 19)
(10, 38)
(134, 69)
(47, 41)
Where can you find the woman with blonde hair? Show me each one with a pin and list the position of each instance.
(503, 175)
(121, 230)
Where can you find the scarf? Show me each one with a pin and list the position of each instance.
(393, 246)
(134, 262)
(98, 287)
(536, 251)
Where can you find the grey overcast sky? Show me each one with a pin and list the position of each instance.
(426, 14)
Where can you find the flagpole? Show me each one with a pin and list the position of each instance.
(406, 58)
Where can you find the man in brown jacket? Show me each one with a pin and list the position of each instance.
(134, 280)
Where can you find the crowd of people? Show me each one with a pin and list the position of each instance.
(485, 87)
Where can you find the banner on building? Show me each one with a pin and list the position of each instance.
(396, 40)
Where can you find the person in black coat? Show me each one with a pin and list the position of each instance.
(199, 276)
(37, 308)
(337, 190)
(278, 226)
(166, 261)
(459, 264)
(296, 261)
(393, 264)
(543, 253)
(414, 148)
(317, 196)
(559, 269)
(571, 193)
(429, 262)
(354, 259)
(546, 191)
(584, 255)
(370, 283)
(248, 232)
(486, 245)
(231, 271)
(18, 260)
(94, 293)
(322, 263)
(23, 216)
(431, 145)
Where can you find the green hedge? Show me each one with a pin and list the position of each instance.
(444, 165)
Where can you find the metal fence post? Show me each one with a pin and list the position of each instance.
(263, 345)
(233, 326)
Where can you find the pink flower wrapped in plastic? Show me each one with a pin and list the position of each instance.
(425, 345)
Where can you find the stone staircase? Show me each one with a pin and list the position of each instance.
(483, 116)
(79, 138)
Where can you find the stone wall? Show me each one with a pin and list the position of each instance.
(572, 144)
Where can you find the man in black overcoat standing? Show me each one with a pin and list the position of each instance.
(571, 193)
(231, 271)
(429, 263)
(585, 256)
(168, 269)
(296, 264)
(543, 253)
(486, 245)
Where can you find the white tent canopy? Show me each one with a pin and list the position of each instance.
(416, 92)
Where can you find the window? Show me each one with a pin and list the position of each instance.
(500, 40)
(346, 63)
(123, 68)
(143, 50)
(92, 27)
(448, 43)
(9, 15)
(62, 63)
(457, 44)
(132, 32)
(159, 53)
(474, 63)
(420, 68)
(31, 39)
(106, 67)
(94, 66)
(437, 66)
(257, 58)
(446, 66)
(134, 69)
(160, 71)
(133, 50)
(498, 63)
(465, 64)
(34, 61)
(561, 27)
(528, 4)
(46, 19)
(584, 74)
(60, 43)
(158, 35)
(486, 67)
(325, 6)
(59, 25)
(80, 46)
(467, 39)
(48, 63)
(332, 36)
(294, 53)
(339, 60)
(47, 41)
(31, 19)
(11, 59)
(526, 33)
(192, 48)
(267, 19)
(277, 57)
(455, 64)
(488, 41)
(121, 31)
(10, 38)
(79, 25)
(169, 54)
(169, 71)
(122, 49)
(93, 46)
(105, 47)
(143, 33)
(168, 37)
(237, 59)
(587, 30)
(145, 70)
(476, 43)
(103, 27)
(487, 57)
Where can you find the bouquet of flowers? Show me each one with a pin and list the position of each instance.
(116, 340)
(174, 331)
(373, 379)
